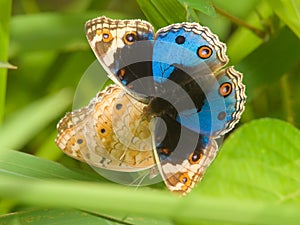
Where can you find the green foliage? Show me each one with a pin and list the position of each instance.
(263, 168)
(5, 9)
(290, 8)
(205, 6)
(255, 178)
(24, 125)
(159, 14)
(47, 216)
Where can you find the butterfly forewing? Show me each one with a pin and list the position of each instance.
(124, 49)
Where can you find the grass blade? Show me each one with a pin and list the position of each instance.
(52, 216)
(25, 124)
(5, 11)
(103, 198)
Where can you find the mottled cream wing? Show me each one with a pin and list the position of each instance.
(182, 178)
(106, 35)
(92, 134)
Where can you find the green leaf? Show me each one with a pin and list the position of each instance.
(18, 164)
(110, 199)
(19, 128)
(53, 216)
(162, 13)
(53, 31)
(259, 161)
(71, 217)
(204, 6)
(240, 9)
(267, 64)
(289, 12)
(243, 41)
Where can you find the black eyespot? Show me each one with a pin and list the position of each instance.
(79, 141)
(180, 40)
(103, 130)
(221, 115)
(119, 106)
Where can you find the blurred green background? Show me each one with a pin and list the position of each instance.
(256, 174)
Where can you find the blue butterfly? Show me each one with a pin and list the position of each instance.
(178, 74)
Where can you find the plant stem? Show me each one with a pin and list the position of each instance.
(286, 98)
(260, 33)
(5, 12)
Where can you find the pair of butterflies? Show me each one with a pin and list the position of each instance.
(171, 103)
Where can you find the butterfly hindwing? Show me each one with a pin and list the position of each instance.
(222, 108)
(107, 135)
(181, 154)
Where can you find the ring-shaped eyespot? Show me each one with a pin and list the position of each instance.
(106, 35)
(185, 179)
(103, 131)
(225, 89)
(195, 157)
(119, 108)
(130, 37)
(204, 52)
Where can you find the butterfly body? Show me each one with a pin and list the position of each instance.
(173, 99)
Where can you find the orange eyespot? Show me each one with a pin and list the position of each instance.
(164, 151)
(195, 157)
(130, 37)
(106, 35)
(103, 131)
(204, 52)
(225, 89)
(121, 73)
(185, 179)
